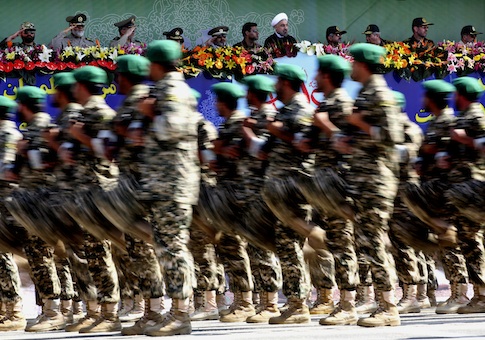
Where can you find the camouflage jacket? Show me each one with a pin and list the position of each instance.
(32, 174)
(297, 117)
(376, 103)
(9, 137)
(338, 105)
(467, 160)
(89, 168)
(170, 168)
(438, 134)
(128, 156)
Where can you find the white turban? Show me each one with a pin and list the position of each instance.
(278, 18)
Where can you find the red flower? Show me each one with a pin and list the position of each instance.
(8, 67)
(71, 65)
(18, 64)
(30, 66)
(103, 63)
(40, 64)
(61, 66)
(51, 66)
(250, 69)
(111, 66)
(93, 63)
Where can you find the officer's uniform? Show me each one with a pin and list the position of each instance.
(127, 23)
(175, 35)
(61, 41)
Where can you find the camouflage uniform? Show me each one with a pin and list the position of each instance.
(438, 133)
(9, 275)
(265, 267)
(405, 257)
(39, 255)
(141, 267)
(372, 182)
(283, 158)
(232, 249)
(340, 233)
(170, 175)
(86, 173)
(466, 165)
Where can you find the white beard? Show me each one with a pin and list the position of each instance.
(78, 34)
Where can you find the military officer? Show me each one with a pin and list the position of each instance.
(175, 35)
(218, 37)
(418, 40)
(126, 29)
(73, 35)
(27, 34)
(373, 35)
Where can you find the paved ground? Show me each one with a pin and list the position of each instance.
(426, 325)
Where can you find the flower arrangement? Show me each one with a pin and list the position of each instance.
(225, 62)
(464, 58)
(409, 62)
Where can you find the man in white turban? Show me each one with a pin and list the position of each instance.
(280, 38)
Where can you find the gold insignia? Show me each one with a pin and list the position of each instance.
(177, 32)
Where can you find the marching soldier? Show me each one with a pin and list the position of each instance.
(371, 177)
(170, 176)
(13, 319)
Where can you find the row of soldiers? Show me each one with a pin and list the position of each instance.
(275, 162)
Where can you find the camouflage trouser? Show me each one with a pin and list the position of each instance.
(232, 251)
(470, 240)
(365, 276)
(427, 270)
(171, 221)
(321, 267)
(289, 249)
(145, 268)
(340, 243)
(205, 261)
(374, 200)
(127, 281)
(454, 265)
(266, 270)
(405, 256)
(9, 279)
(102, 269)
(81, 276)
(221, 278)
(63, 268)
(43, 268)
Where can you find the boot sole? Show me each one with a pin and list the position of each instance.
(286, 322)
(394, 323)
(410, 311)
(184, 331)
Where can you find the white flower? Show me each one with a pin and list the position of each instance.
(319, 49)
(45, 56)
(80, 55)
(310, 50)
(114, 54)
(303, 46)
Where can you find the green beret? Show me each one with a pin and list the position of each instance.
(196, 94)
(64, 79)
(227, 90)
(31, 94)
(368, 53)
(163, 51)
(259, 83)
(400, 99)
(469, 86)
(334, 63)
(91, 74)
(290, 72)
(438, 86)
(133, 64)
(8, 104)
